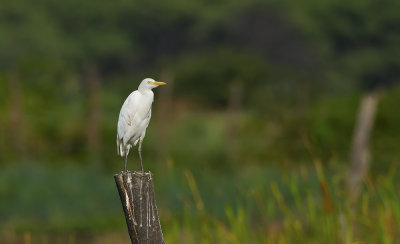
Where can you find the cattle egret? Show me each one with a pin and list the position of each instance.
(134, 118)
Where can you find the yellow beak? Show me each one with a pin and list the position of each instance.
(157, 83)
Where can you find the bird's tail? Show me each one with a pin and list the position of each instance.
(120, 147)
(123, 148)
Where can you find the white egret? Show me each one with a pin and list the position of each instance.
(134, 118)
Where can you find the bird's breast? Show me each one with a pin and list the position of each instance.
(144, 107)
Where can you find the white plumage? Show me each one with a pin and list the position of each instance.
(134, 118)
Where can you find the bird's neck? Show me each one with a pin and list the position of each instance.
(145, 91)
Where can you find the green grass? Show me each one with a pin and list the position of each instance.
(294, 210)
(257, 205)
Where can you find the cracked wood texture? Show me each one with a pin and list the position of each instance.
(137, 197)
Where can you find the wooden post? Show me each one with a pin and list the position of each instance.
(138, 202)
(360, 147)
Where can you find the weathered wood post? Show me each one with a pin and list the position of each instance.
(138, 202)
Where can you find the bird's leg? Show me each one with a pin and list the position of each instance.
(126, 159)
(140, 154)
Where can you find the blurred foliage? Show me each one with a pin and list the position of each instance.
(262, 206)
(257, 90)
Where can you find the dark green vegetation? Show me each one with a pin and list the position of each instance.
(248, 143)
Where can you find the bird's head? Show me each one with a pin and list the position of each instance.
(149, 83)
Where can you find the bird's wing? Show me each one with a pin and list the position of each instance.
(127, 115)
(147, 121)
